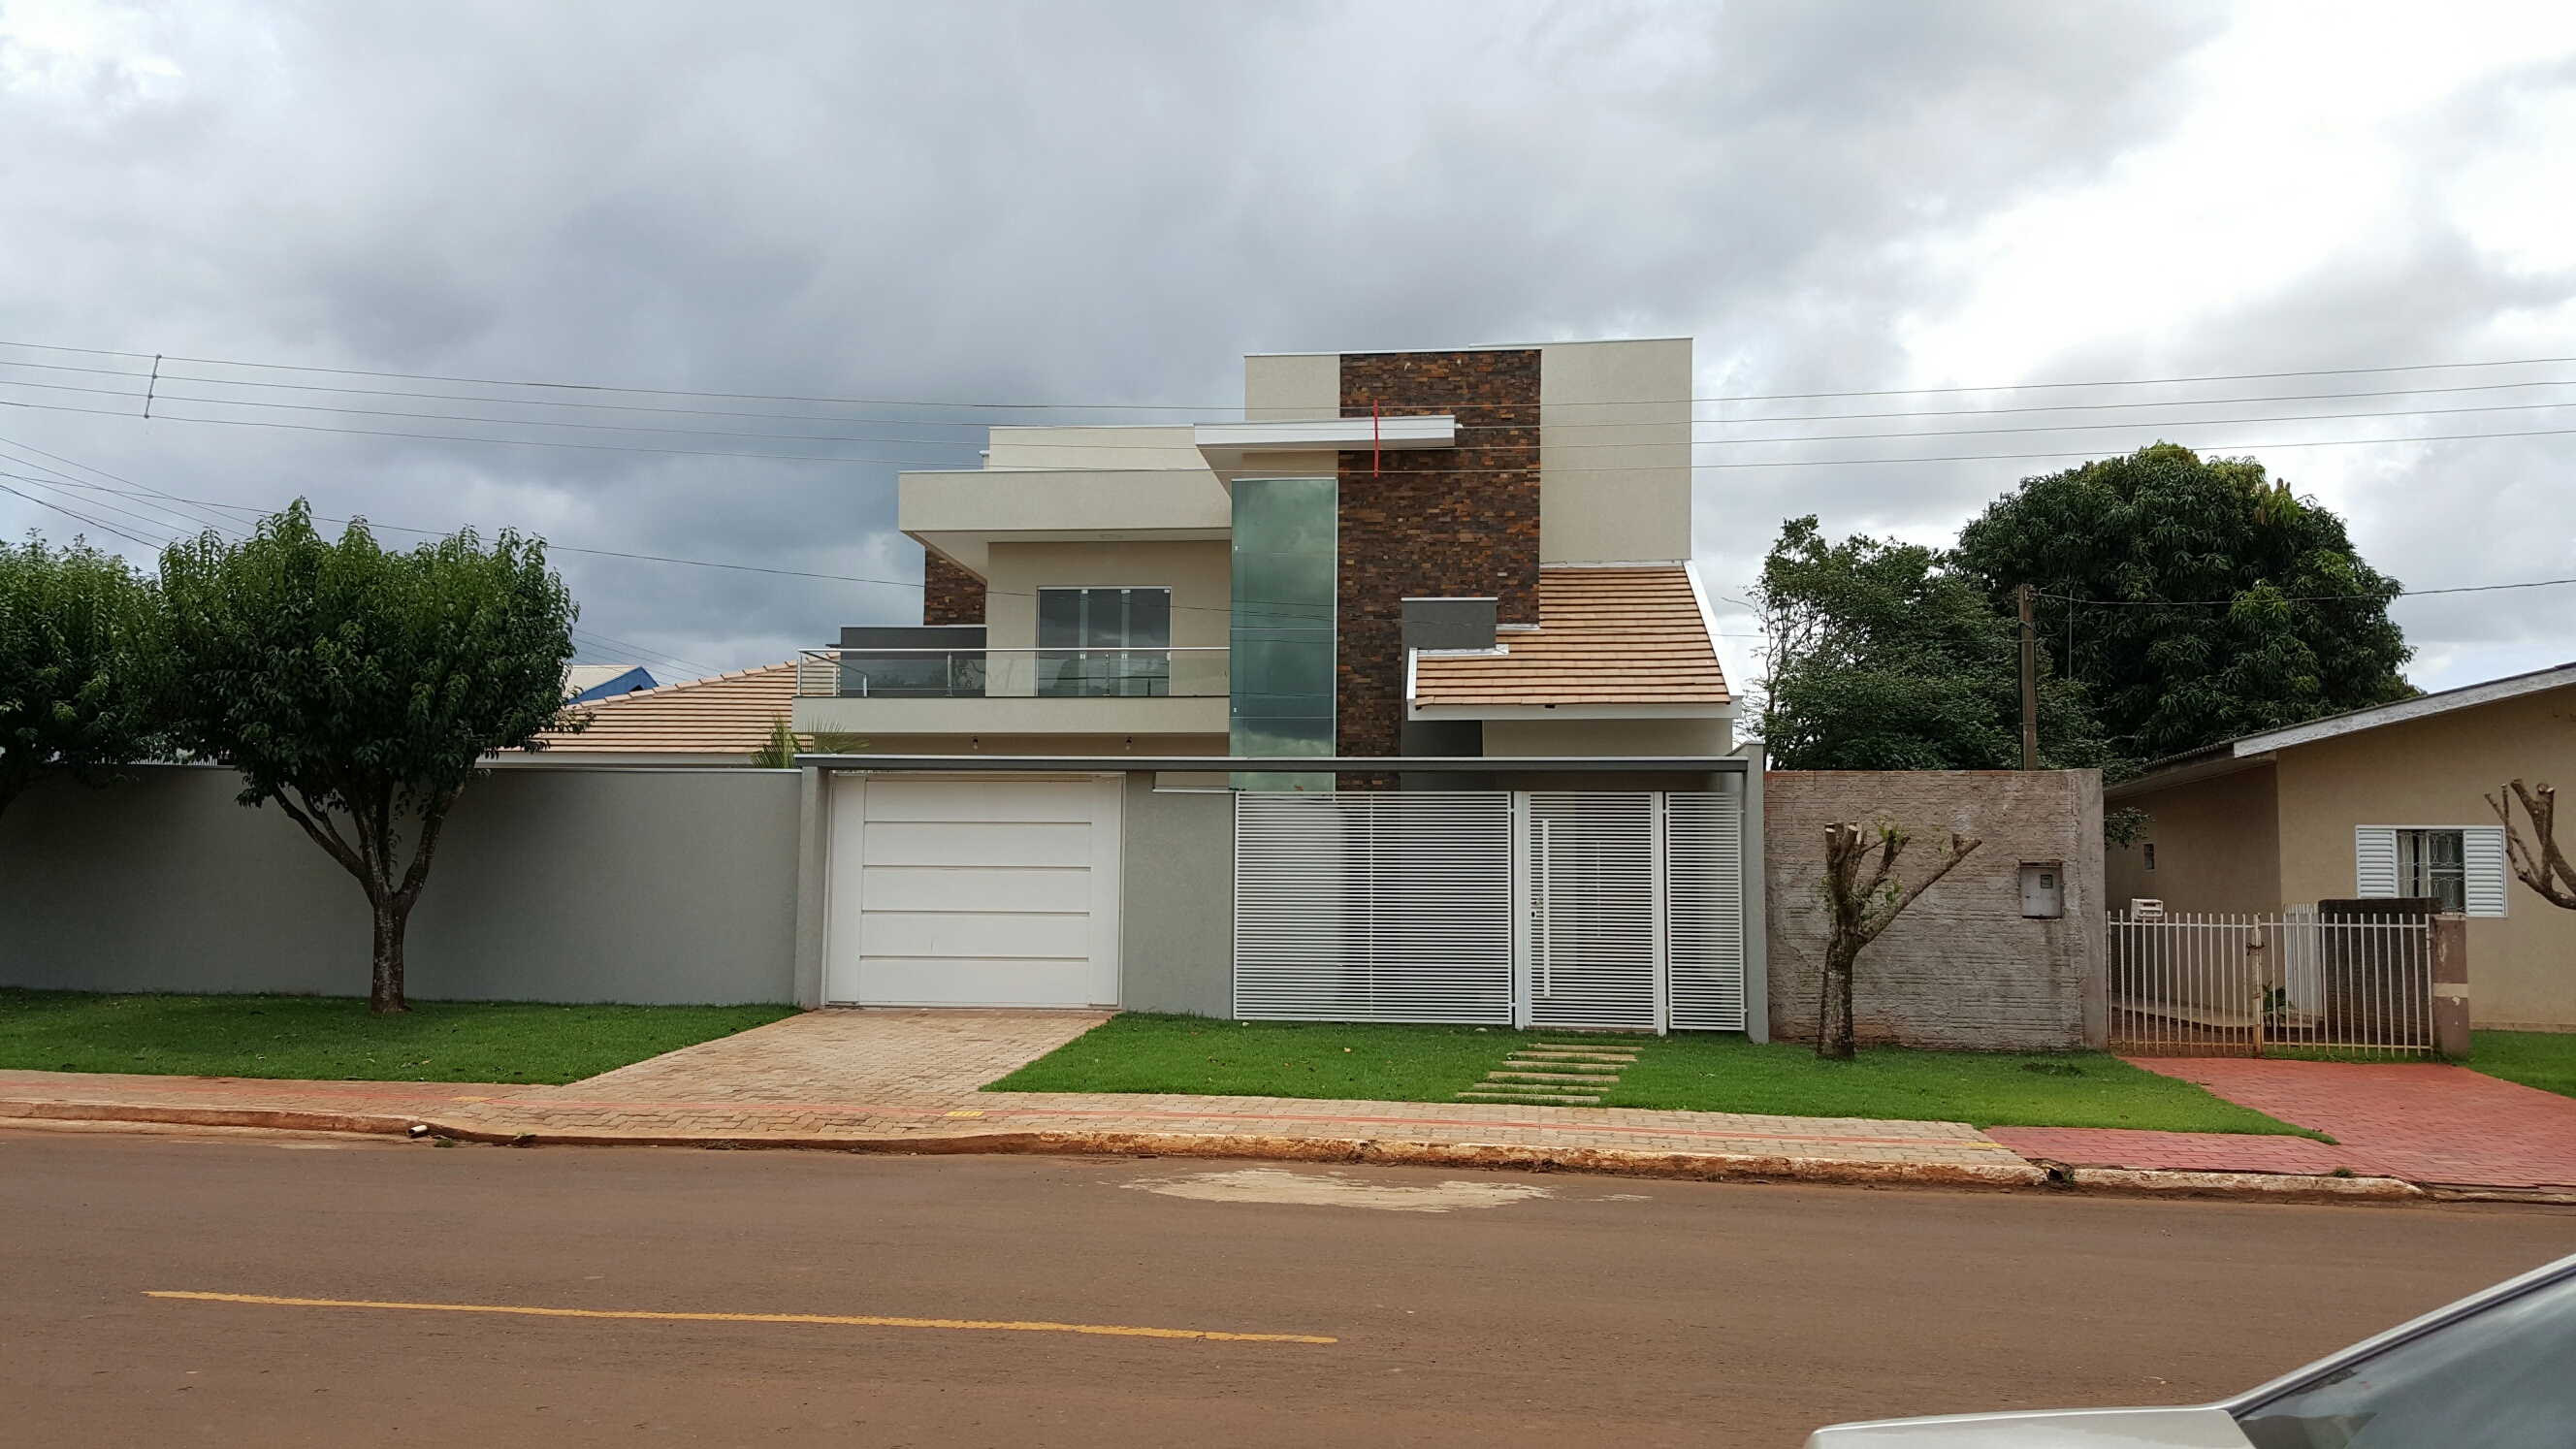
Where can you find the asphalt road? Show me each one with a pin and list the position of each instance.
(1622, 1312)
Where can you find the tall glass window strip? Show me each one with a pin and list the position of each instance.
(1286, 535)
(1101, 642)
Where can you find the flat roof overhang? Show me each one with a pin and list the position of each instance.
(1294, 764)
(1226, 445)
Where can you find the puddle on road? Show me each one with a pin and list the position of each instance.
(1333, 1189)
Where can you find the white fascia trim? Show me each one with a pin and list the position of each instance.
(1330, 435)
(1568, 711)
(2422, 707)
(1410, 655)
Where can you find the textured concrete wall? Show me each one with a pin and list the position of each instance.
(1176, 949)
(1961, 968)
(1431, 523)
(565, 884)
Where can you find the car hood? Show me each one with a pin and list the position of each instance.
(2199, 1427)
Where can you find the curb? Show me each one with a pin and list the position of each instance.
(1602, 1161)
(283, 1119)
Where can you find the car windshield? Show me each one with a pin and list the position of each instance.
(2501, 1378)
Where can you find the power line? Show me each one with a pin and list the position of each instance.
(911, 463)
(1176, 407)
(164, 399)
(655, 408)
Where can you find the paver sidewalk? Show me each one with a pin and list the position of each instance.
(906, 1081)
(2421, 1121)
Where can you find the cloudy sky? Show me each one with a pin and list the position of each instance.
(791, 231)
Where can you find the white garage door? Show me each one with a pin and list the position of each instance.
(974, 892)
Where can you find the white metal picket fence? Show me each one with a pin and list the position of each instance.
(2260, 985)
(1592, 909)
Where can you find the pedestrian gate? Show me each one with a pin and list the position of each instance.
(1564, 909)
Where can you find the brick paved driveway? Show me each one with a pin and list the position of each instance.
(2420, 1121)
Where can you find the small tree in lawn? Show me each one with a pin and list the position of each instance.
(1861, 909)
(2537, 863)
(359, 688)
(75, 642)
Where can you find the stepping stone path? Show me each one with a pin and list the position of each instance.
(1556, 1073)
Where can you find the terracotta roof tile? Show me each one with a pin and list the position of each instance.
(1605, 636)
(724, 714)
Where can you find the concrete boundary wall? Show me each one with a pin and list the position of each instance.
(551, 884)
(1962, 968)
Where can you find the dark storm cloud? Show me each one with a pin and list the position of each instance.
(1102, 204)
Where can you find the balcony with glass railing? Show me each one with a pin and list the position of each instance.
(1171, 672)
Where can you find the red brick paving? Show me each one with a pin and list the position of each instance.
(2420, 1121)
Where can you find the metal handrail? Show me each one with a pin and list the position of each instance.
(1040, 670)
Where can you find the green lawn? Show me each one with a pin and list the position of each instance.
(1698, 1072)
(2543, 1059)
(332, 1037)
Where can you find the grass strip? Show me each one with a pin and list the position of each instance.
(1705, 1072)
(2543, 1059)
(335, 1038)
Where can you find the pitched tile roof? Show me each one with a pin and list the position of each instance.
(725, 714)
(1606, 636)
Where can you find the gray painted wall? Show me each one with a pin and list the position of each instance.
(551, 884)
(1961, 968)
(1177, 901)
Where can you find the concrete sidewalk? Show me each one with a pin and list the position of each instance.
(905, 1081)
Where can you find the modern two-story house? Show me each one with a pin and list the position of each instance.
(1396, 698)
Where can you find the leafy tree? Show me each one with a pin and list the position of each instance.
(359, 688)
(1884, 658)
(74, 657)
(2215, 603)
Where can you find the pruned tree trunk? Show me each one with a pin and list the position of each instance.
(1859, 911)
(2536, 863)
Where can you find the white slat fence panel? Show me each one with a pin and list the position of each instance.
(1373, 906)
(1704, 862)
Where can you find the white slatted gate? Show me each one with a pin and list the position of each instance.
(1601, 910)
(1594, 936)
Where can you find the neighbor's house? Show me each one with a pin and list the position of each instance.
(2381, 802)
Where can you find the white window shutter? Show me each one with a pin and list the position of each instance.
(2374, 850)
(2482, 855)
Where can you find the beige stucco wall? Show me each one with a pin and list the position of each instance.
(1615, 451)
(1199, 574)
(1283, 386)
(2218, 846)
(1961, 968)
(1526, 737)
(964, 514)
(1171, 446)
(2433, 772)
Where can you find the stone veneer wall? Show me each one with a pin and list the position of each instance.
(1961, 969)
(1435, 522)
(949, 594)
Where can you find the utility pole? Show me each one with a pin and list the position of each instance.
(2029, 683)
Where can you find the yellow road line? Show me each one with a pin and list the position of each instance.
(1113, 1330)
